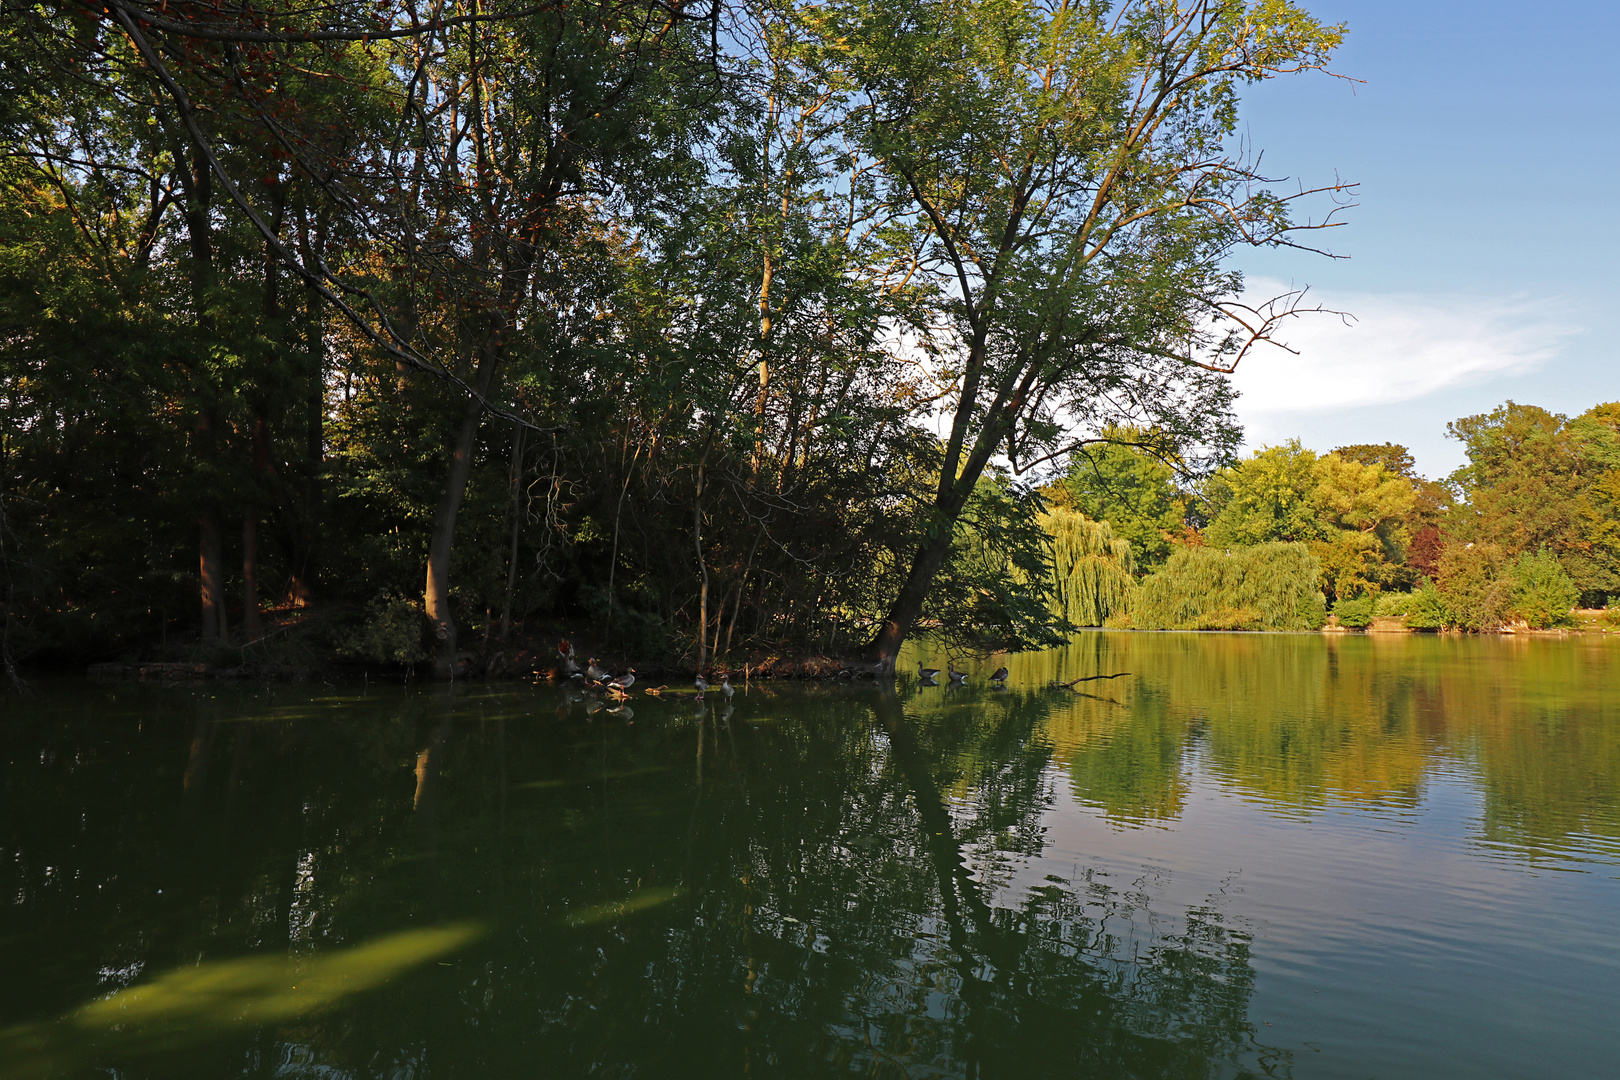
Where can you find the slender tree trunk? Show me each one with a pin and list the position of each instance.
(306, 546)
(211, 570)
(436, 594)
(197, 183)
(703, 567)
(250, 572)
(250, 533)
(613, 560)
(517, 522)
(742, 586)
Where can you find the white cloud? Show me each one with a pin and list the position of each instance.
(1397, 348)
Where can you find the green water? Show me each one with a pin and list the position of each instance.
(1256, 855)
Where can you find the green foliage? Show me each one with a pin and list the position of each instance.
(1542, 593)
(1266, 586)
(997, 586)
(1131, 489)
(1356, 614)
(1426, 609)
(1477, 597)
(1536, 479)
(1394, 458)
(1092, 568)
(1351, 513)
(1265, 499)
(1392, 605)
(394, 632)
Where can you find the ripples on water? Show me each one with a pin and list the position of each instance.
(1256, 855)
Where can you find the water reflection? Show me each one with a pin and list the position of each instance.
(1306, 721)
(799, 882)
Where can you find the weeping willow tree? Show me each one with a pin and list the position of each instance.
(1091, 568)
(1263, 587)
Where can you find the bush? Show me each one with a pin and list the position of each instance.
(1267, 586)
(1225, 618)
(1356, 614)
(394, 632)
(1426, 609)
(1542, 592)
(1473, 585)
(1392, 605)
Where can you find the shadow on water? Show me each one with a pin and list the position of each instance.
(803, 882)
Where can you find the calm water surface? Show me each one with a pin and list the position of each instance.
(1294, 856)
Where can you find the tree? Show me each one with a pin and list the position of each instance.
(1062, 176)
(1119, 482)
(1537, 479)
(1092, 568)
(1352, 515)
(1265, 499)
(1395, 458)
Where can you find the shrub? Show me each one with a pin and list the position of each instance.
(1392, 605)
(1426, 609)
(394, 632)
(1226, 618)
(1542, 592)
(1267, 586)
(1356, 614)
(1473, 585)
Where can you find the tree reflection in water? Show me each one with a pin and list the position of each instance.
(801, 882)
(830, 895)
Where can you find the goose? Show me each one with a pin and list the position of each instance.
(726, 688)
(569, 665)
(625, 681)
(926, 673)
(958, 678)
(999, 676)
(701, 683)
(595, 671)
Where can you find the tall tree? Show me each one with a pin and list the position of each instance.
(1064, 175)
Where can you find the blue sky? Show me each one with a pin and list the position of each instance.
(1483, 251)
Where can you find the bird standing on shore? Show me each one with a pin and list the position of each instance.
(625, 681)
(595, 672)
(701, 683)
(726, 688)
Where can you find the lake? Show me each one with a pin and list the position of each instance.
(1254, 855)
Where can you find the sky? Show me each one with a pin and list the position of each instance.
(1482, 252)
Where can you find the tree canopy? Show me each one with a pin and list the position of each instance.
(415, 321)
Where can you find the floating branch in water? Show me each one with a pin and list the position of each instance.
(1086, 678)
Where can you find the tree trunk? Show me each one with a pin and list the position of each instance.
(952, 497)
(211, 570)
(436, 594)
(703, 567)
(306, 544)
(197, 183)
(908, 605)
(250, 534)
(517, 522)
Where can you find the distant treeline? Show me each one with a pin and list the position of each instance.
(1525, 532)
